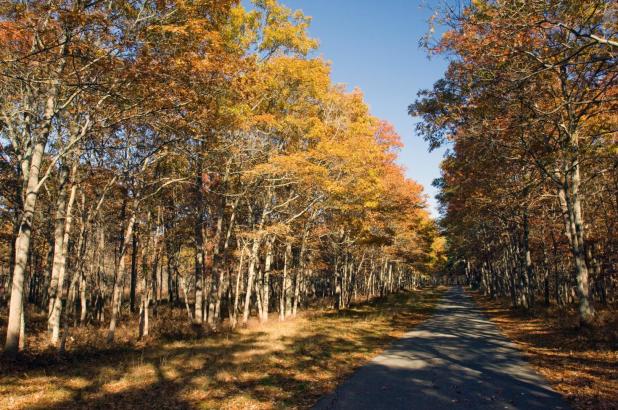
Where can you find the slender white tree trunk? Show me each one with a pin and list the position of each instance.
(59, 226)
(56, 315)
(119, 276)
(22, 247)
(266, 284)
(284, 282)
(574, 227)
(32, 187)
(185, 292)
(253, 259)
(234, 309)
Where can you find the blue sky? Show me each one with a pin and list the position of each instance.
(373, 45)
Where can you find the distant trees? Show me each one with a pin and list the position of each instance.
(190, 153)
(529, 188)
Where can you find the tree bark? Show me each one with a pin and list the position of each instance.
(59, 224)
(59, 302)
(284, 282)
(234, 308)
(266, 283)
(22, 243)
(570, 202)
(119, 274)
(253, 259)
(134, 242)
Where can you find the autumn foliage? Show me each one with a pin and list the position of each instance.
(528, 109)
(194, 154)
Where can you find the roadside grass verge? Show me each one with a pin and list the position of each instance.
(580, 363)
(288, 364)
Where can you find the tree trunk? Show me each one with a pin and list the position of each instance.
(31, 183)
(83, 300)
(574, 226)
(253, 256)
(59, 302)
(529, 272)
(216, 268)
(234, 308)
(297, 283)
(198, 316)
(119, 269)
(22, 247)
(284, 282)
(266, 283)
(144, 305)
(134, 242)
(183, 285)
(59, 224)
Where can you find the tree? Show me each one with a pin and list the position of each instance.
(535, 87)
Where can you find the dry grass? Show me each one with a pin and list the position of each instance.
(581, 363)
(278, 365)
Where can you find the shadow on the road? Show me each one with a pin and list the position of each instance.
(457, 359)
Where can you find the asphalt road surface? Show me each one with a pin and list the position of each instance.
(457, 359)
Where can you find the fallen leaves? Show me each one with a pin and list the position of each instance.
(582, 364)
(287, 364)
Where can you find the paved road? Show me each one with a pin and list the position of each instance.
(457, 359)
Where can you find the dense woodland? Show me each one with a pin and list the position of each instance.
(192, 156)
(529, 111)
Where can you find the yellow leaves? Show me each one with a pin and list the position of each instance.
(371, 204)
(264, 120)
(242, 28)
(286, 92)
(481, 5)
(290, 74)
(284, 30)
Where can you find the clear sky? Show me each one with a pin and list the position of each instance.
(373, 45)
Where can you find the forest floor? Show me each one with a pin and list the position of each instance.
(580, 363)
(288, 364)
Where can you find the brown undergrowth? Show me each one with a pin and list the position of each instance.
(580, 363)
(286, 364)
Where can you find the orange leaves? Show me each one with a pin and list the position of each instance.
(12, 36)
(387, 136)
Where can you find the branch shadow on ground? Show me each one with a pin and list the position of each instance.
(258, 367)
(457, 359)
(582, 362)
